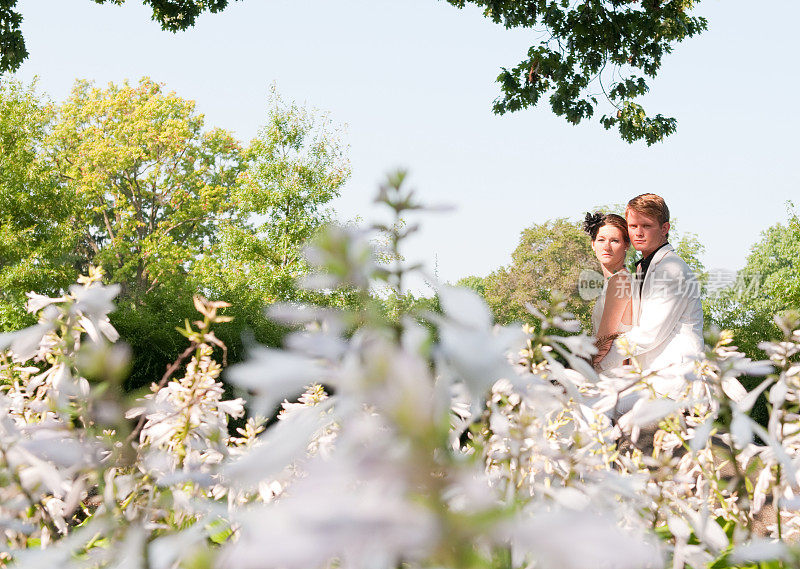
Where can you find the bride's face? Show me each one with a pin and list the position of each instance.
(610, 247)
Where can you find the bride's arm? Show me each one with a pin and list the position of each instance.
(618, 298)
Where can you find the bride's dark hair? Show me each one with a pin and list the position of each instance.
(594, 221)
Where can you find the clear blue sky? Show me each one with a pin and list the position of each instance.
(413, 82)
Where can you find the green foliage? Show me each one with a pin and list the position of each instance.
(176, 16)
(478, 284)
(128, 178)
(688, 247)
(12, 44)
(549, 258)
(37, 215)
(150, 330)
(608, 46)
(592, 47)
(295, 167)
(768, 284)
(151, 189)
(152, 186)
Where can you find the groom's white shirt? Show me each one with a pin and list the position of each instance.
(668, 316)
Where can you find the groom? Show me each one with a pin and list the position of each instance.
(667, 314)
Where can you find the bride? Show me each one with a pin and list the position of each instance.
(613, 312)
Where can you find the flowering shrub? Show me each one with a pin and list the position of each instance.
(427, 440)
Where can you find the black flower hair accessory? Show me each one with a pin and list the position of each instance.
(592, 223)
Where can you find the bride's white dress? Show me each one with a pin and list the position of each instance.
(613, 359)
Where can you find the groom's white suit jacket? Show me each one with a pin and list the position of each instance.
(667, 317)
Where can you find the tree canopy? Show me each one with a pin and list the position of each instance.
(294, 168)
(588, 55)
(768, 284)
(129, 178)
(177, 15)
(37, 221)
(589, 52)
(548, 259)
(152, 186)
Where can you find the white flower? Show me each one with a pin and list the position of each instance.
(741, 429)
(706, 528)
(344, 255)
(749, 367)
(581, 346)
(335, 512)
(476, 351)
(778, 351)
(649, 411)
(37, 302)
(273, 375)
(94, 301)
(760, 491)
(281, 445)
(580, 540)
(759, 550)
(701, 434)
(188, 416)
(25, 343)
(166, 550)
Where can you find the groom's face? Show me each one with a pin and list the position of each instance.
(645, 232)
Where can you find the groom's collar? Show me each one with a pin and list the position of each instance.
(644, 262)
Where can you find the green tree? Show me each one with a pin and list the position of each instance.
(295, 167)
(151, 188)
(768, 284)
(128, 178)
(549, 258)
(689, 248)
(37, 214)
(177, 15)
(591, 47)
(12, 45)
(151, 184)
(476, 283)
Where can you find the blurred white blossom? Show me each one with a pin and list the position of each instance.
(425, 439)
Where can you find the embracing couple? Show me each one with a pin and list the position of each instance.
(657, 309)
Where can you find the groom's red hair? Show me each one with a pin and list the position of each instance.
(651, 205)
